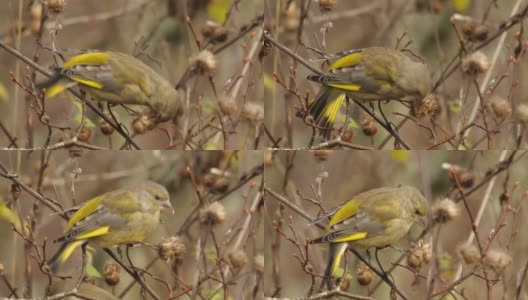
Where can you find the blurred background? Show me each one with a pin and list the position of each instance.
(229, 179)
(156, 32)
(329, 178)
(424, 28)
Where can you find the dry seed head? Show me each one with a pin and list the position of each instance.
(111, 272)
(258, 263)
(444, 211)
(475, 63)
(203, 62)
(220, 185)
(253, 112)
(464, 177)
(497, 260)
(521, 112)
(172, 247)
(215, 32)
(474, 31)
(2, 269)
(501, 108)
(105, 127)
(418, 254)
(426, 106)
(237, 259)
(142, 123)
(35, 12)
(228, 105)
(469, 253)
(56, 6)
(291, 17)
(213, 214)
(327, 5)
(364, 274)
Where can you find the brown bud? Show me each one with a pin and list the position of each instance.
(105, 127)
(364, 274)
(347, 135)
(172, 247)
(322, 154)
(111, 272)
(213, 214)
(85, 134)
(369, 126)
(344, 285)
(237, 259)
(504, 198)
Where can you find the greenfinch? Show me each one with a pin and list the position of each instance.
(376, 218)
(119, 79)
(123, 216)
(376, 73)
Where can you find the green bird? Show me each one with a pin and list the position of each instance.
(124, 216)
(376, 73)
(376, 218)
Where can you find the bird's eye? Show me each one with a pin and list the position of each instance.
(416, 211)
(157, 197)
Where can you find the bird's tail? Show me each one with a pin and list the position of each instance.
(336, 253)
(56, 83)
(62, 254)
(325, 107)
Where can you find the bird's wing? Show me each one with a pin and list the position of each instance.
(97, 223)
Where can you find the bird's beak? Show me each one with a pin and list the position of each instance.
(167, 206)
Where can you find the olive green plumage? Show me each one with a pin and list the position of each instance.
(376, 73)
(123, 216)
(376, 218)
(119, 79)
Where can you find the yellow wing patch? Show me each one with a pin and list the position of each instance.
(346, 61)
(352, 237)
(87, 82)
(91, 58)
(93, 233)
(346, 86)
(85, 210)
(68, 251)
